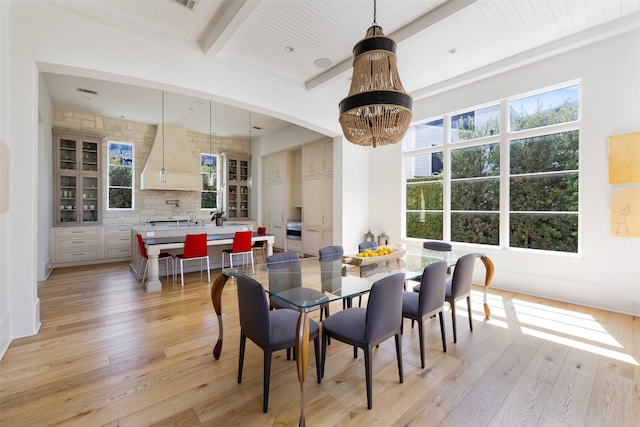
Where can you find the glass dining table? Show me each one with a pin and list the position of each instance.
(309, 285)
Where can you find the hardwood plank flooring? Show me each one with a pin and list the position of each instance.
(110, 354)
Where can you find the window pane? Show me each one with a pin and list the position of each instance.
(476, 124)
(475, 228)
(208, 200)
(120, 154)
(547, 153)
(424, 135)
(544, 109)
(120, 176)
(478, 161)
(120, 198)
(424, 194)
(551, 192)
(553, 232)
(424, 165)
(476, 194)
(424, 225)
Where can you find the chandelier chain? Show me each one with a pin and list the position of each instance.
(374, 13)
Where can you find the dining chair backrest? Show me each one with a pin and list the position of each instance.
(437, 245)
(195, 246)
(254, 312)
(462, 275)
(384, 309)
(284, 271)
(331, 253)
(367, 245)
(331, 268)
(242, 242)
(143, 250)
(432, 287)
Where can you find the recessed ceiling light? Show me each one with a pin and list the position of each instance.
(322, 62)
(199, 102)
(288, 49)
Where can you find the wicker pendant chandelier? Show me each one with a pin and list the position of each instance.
(377, 110)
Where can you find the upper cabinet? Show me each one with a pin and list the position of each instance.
(76, 171)
(317, 159)
(238, 196)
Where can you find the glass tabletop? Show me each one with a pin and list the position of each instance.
(309, 283)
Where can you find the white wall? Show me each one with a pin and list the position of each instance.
(5, 315)
(606, 273)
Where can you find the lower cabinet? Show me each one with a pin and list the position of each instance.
(89, 245)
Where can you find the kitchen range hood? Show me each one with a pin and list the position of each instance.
(182, 168)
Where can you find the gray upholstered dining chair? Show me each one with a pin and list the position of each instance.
(285, 273)
(331, 261)
(435, 245)
(365, 328)
(269, 330)
(428, 302)
(460, 287)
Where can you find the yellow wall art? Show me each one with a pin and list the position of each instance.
(624, 158)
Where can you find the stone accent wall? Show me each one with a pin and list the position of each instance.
(147, 202)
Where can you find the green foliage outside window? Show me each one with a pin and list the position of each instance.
(543, 179)
(120, 176)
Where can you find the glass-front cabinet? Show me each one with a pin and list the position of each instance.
(238, 198)
(76, 178)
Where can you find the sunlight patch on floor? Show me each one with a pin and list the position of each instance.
(623, 357)
(580, 325)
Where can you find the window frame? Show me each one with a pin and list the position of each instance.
(503, 139)
(133, 176)
(218, 175)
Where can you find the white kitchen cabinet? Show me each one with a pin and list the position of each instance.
(312, 201)
(238, 195)
(278, 194)
(116, 242)
(317, 158)
(311, 239)
(89, 245)
(77, 171)
(317, 196)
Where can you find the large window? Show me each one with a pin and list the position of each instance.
(459, 168)
(120, 186)
(210, 177)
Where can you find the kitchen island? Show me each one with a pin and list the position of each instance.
(171, 239)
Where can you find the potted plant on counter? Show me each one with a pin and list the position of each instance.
(218, 215)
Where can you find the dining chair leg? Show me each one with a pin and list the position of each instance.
(243, 341)
(421, 337)
(316, 347)
(469, 311)
(442, 333)
(182, 271)
(399, 357)
(323, 355)
(368, 374)
(453, 321)
(267, 374)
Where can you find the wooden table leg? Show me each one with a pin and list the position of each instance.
(216, 299)
(489, 267)
(302, 350)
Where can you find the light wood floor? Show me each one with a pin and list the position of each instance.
(108, 353)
